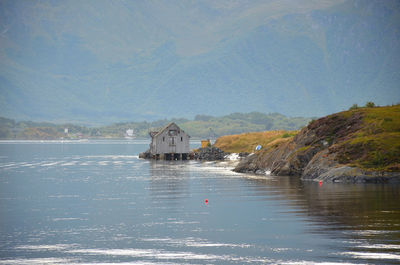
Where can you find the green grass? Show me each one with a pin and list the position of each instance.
(289, 134)
(376, 145)
(303, 149)
(374, 152)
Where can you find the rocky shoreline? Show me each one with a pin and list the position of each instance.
(320, 172)
(322, 151)
(210, 153)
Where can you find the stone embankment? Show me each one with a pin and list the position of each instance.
(211, 153)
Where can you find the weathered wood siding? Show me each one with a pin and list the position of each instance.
(170, 140)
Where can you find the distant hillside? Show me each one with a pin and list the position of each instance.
(239, 123)
(203, 126)
(362, 144)
(97, 62)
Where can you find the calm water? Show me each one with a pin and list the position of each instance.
(96, 202)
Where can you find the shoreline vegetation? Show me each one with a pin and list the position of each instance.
(201, 127)
(358, 145)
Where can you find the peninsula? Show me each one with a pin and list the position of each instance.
(358, 145)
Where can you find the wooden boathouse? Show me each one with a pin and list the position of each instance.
(170, 143)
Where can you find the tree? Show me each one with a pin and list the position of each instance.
(5, 133)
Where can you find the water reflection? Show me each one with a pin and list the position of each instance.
(101, 204)
(169, 180)
(362, 220)
(365, 217)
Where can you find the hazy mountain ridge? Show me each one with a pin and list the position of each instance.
(308, 62)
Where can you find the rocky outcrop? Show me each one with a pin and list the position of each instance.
(145, 155)
(316, 153)
(210, 154)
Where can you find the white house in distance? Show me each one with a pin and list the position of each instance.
(170, 143)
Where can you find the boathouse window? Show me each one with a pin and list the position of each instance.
(163, 139)
(172, 132)
(181, 139)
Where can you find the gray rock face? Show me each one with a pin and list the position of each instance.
(356, 175)
(243, 154)
(247, 164)
(319, 164)
(321, 167)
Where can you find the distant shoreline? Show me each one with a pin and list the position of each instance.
(201, 127)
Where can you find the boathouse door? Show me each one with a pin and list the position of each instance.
(172, 144)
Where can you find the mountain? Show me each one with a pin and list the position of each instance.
(97, 62)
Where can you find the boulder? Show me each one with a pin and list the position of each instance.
(145, 155)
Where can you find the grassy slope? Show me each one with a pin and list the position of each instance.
(247, 142)
(376, 145)
(368, 138)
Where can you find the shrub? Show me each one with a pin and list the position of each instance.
(369, 104)
(355, 106)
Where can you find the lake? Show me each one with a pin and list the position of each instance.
(96, 202)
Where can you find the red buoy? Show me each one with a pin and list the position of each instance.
(320, 183)
(206, 201)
